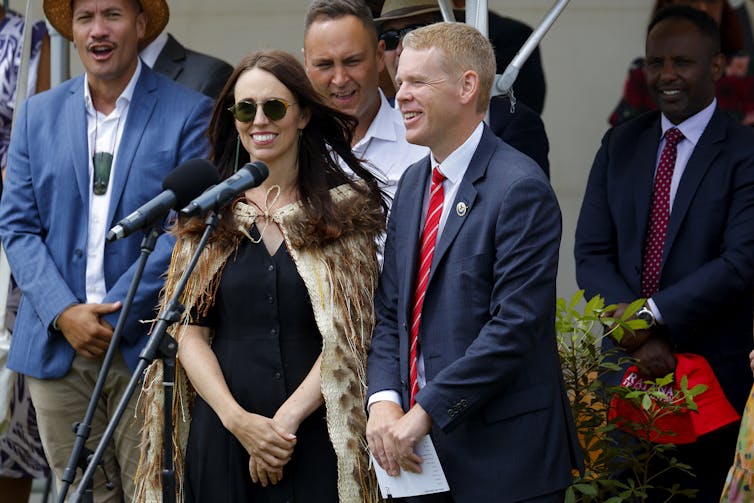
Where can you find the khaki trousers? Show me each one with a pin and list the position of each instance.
(61, 402)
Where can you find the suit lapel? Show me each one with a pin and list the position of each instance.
(466, 194)
(75, 113)
(139, 111)
(644, 161)
(413, 229)
(709, 146)
(171, 59)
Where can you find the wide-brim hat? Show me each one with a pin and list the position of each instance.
(713, 408)
(60, 15)
(398, 9)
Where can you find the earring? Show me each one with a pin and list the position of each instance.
(238, 149)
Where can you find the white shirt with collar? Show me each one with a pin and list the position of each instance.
(384, 146)
(453, 168)
(106, 132)
(692, 129)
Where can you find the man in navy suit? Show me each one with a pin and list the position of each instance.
(464, 345)
(83, 156)
(696, 264)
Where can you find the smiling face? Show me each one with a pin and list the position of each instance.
(106, 34)
(682, 69)
(431, 101)
(343, 61)
(270, 141)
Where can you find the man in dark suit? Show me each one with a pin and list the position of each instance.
(198, 71)
(668, 215)
(464, 344)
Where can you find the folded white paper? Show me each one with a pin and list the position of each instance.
(431, 480)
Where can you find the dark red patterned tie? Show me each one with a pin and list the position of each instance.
(658, 222)
(428, 240)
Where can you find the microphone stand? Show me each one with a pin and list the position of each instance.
(80, 454)
(160, 342)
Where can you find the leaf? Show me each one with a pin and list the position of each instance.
(646, 402)
(632, 308)
(664, 381)
(575, 299)
(570, 495)
(587, 489)
(595, 303)
(636, 324)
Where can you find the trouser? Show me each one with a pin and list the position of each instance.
(62, 402)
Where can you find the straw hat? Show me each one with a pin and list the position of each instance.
(397, 9)
(60, 15)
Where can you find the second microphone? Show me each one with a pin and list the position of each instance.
(214, 198)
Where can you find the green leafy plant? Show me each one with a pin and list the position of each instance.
(615, 471)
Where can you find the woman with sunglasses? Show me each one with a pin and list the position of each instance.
(279, 309)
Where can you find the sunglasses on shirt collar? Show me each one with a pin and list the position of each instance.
(274, 108)
(392, 37)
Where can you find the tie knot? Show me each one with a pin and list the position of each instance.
(673, 136)
(437, 176)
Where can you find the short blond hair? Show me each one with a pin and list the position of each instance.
(464, 48)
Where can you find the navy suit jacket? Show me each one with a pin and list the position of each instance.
(501, 421)
(198, 71)
(705, 295)
(45, 208)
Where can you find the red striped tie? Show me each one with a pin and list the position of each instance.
(429, 237)
(660, 215)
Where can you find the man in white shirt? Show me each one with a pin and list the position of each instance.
(343, 60)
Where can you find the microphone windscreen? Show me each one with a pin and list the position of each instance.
(258, 170)
(190, 179)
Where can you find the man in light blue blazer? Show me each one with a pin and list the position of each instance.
(83, 156)
(478, 299)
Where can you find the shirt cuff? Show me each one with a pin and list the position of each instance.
(55, 321)
(387, 395)
(655, 311)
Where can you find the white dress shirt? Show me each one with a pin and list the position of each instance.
(106, 132)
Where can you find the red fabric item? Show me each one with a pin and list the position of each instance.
(660, 216)
(714, 409)
(428, 240)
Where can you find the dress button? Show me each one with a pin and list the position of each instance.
(277, 375)
(274, 332)
(78, 252)
(270, 267)
(270, 299)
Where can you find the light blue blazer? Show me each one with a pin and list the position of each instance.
(45, 208)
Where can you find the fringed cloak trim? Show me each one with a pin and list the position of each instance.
(340, 276)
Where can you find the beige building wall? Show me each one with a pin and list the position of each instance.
(585, 56)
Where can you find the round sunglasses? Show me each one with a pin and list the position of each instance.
(274, 108)
(392, 37)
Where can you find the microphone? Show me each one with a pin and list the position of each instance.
(214, 198)
(180, 186)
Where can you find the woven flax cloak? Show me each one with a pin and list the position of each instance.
(341, 276)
